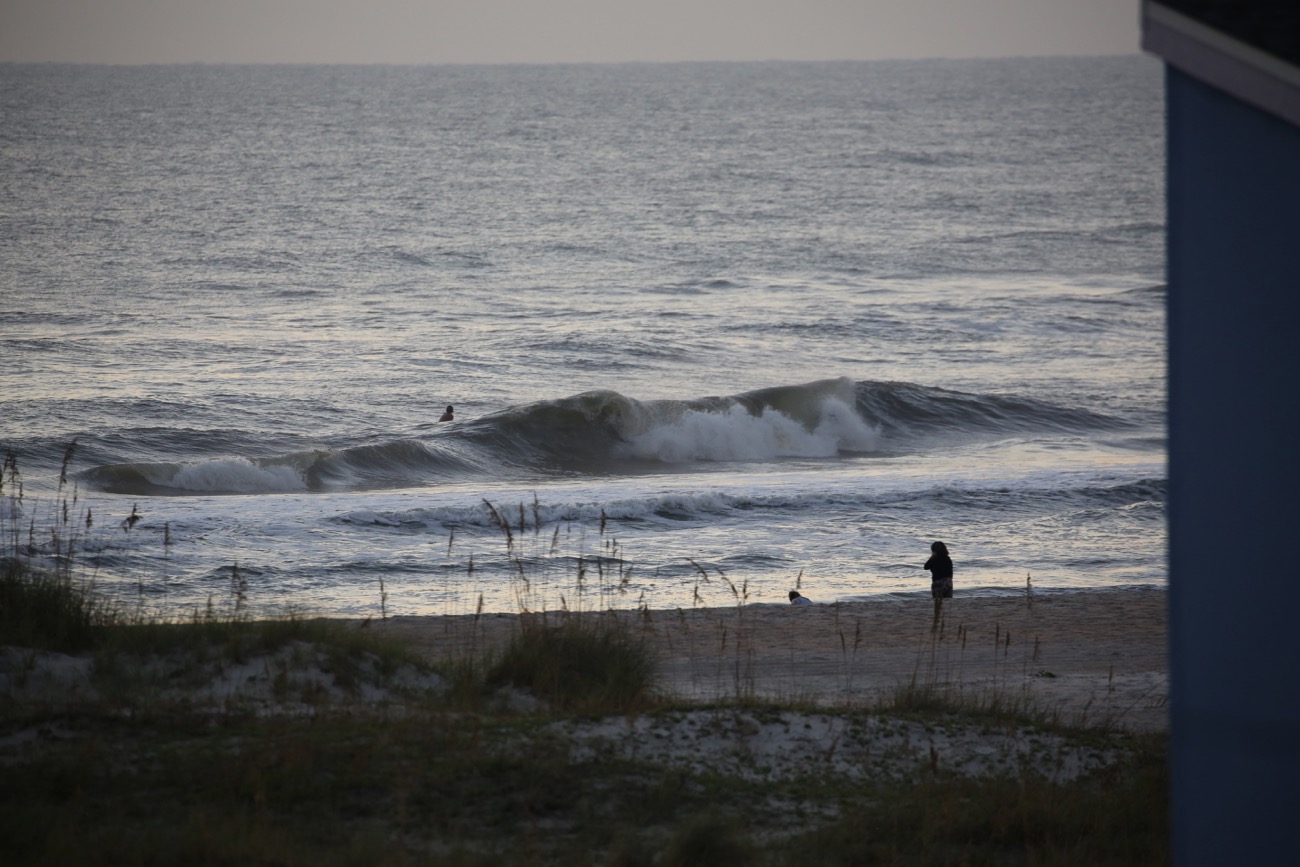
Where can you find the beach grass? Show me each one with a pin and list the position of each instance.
(460, 779)
(458, 776)
(443, 788)
(45, 610)
(582, 664)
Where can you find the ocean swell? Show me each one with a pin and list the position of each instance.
(706, 507)
(391, 464)
(217, 476)
(608, 432)
(906, 411)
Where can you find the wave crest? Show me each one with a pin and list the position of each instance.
(218, 476)
(737, 434)
(604, 431)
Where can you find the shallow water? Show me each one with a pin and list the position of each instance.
(761, 320)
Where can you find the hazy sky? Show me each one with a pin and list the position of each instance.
(546, 31)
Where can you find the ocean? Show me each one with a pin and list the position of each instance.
(711, 331)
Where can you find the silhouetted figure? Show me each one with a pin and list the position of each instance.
(449, 415)
(940, 568)
(796, 598)
(132, 519)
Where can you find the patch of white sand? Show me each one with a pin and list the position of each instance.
(783, 746)
(296, 678)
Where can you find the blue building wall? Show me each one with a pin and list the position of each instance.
(1234, 478)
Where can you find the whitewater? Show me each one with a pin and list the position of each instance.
(711, 331)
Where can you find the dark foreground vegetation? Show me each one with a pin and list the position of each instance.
(469, 773)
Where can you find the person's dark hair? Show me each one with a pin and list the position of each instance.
(794, 594)
(939, 548)
(449, 409)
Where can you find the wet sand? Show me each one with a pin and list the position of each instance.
(1091, 657)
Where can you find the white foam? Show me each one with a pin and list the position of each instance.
(840, 420)
(736, 435)
(235, 475)
(366, 516)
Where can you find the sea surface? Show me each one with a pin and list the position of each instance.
(711, 331)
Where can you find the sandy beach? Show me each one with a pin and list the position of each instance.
(1092, 657)
(336, 731)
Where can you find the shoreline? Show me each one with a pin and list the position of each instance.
(1085, 656)
(591, 603)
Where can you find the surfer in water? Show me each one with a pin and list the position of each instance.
(940, 568)
(449, 415)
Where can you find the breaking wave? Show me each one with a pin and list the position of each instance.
(604, 431)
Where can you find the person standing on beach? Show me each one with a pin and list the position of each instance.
(940, 568)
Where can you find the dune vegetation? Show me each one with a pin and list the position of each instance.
(224, 738)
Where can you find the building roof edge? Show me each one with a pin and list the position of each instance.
(1253, 76)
